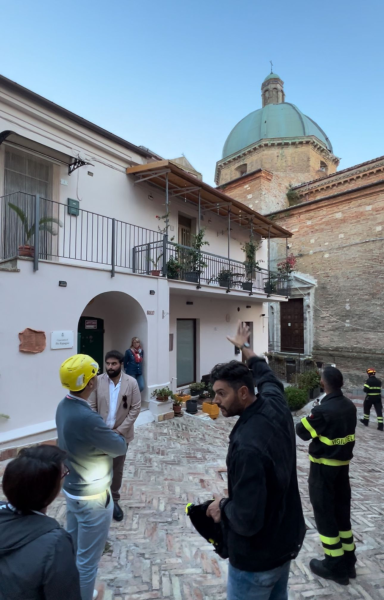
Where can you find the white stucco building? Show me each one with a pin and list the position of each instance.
(93, 276)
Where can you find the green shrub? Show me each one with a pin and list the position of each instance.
(296, 398)
(309, 380)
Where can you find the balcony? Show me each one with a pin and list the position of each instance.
(35, 227)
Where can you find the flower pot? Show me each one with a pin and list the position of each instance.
(177, 409)
(191, 406)
(162, 398)
(269, 288)
(155, 273)
(225, 280)
(173, 276)
(27, 251)
(211, 409)
(192, 276)
(247, 286)
(184, 398)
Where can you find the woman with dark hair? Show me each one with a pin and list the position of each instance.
(133, 362)
(37, 559)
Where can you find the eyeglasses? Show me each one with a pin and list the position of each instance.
(65, 472)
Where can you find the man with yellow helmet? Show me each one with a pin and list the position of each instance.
(90, 446)
(372, 388)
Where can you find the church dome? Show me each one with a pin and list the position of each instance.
(277, 119)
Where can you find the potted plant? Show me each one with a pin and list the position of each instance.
(310, 381)
(173, 268)
(177, 402)
(162, 394)
(156, 272)
(250, 263)
(182, 396)
(194, 262)
(225, 277)
(45, 224)
(208, 406)
(196, 389)
(270, 285)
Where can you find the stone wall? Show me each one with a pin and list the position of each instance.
(273, 168)
(340, 242)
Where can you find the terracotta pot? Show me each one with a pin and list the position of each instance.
(177, 409)
(27, 251)
(155, 273)
(162, 398)
(211, 409)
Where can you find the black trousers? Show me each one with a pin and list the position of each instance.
(330, 495)
(377, 403)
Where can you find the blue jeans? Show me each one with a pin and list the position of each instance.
(140, 381)
(88, 523)
(264, 585)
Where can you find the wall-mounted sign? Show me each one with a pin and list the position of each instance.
(150, 312)
(61, 339)
(90, 324)
(32, 341)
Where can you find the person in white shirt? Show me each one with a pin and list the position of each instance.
(117, 399)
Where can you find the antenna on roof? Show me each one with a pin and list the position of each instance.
(271, 66)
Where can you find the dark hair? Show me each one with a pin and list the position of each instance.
(32, 480)
(235, 373)
(333, 377)
(114, 354)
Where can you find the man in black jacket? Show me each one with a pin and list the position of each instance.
(372, 388)
(262, 518)
(331, 427)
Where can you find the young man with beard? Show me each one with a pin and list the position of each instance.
(117, 399)
(262, 518)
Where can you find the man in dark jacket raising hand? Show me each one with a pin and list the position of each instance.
(262, 517)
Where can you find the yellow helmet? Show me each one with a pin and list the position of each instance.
(75, 372)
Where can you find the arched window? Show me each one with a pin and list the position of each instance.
(242, 169)
(323, 167)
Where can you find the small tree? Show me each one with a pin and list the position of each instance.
(194, 260)
(250, 263)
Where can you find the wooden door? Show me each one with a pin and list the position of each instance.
(185, 231)
(292, 326)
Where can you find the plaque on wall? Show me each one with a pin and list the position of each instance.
(61, 340)
(32, 341)
(90, 324)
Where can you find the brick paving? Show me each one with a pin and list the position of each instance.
(155, 553)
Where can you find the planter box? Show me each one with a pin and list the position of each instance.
(211, 409)
(173, 276)
(27, 251)
(155, 273)
(247, 286)
(225, 281)
(270, 288)
(192, 276)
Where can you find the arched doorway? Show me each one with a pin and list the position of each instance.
(109, 322)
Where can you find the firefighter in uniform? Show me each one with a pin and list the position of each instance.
(372, 388)
(331, 427)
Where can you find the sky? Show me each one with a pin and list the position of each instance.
(177, 76)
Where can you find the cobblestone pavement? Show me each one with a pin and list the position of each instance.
(155, 553)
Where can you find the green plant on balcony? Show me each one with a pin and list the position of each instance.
(270, 286)
(194, 262)
(45, 224)
(174, 268)
(250, 263)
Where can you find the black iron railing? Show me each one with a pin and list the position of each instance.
(44, 229)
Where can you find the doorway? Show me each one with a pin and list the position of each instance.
(186, 351)
(185, 231)
(91, 339)
(292, 326)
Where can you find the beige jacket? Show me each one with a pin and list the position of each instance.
(125, 417)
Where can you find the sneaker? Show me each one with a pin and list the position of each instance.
(364, 422)
(318, 568)
(95, 594)
(118, 514)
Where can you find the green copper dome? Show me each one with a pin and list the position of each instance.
(282, 120)
(272, 76)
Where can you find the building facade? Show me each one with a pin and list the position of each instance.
(280, 162)
(97, 245)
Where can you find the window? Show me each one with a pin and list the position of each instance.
(241, 170)
(185, 230)
(323, 167)
(27, 173)
(186, 351)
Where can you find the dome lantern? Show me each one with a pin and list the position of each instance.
(272, 90)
